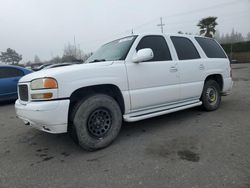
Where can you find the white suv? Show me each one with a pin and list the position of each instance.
(130, 79)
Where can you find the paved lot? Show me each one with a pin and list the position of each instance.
(190, 148)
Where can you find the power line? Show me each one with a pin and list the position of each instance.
(192, 11)
(221, 18)
(206, 8)
(175, 15)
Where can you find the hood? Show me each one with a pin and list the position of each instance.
(54, 72)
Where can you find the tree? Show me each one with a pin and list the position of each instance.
(37, 59)
(73, 54)
(207, 26)
(10, 57)
(56, 59)
(233, 37)
(248, 36)
(217, 36)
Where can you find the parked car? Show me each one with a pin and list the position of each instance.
(57, 65)
(41, 67)
(9, 76)
(130, 79)
(234, 61)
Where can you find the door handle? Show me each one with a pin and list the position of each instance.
(173, 69)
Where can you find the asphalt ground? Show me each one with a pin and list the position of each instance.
(190, 148)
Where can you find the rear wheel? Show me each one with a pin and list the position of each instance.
(211, 97)
(97, 121)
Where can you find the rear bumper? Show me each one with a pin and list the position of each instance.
(48, 116)
(227, 86)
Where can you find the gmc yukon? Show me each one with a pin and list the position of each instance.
(129, 79)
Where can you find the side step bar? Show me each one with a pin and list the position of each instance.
(144, 115)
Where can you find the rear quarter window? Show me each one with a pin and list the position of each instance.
(211, 48)
(185, 48)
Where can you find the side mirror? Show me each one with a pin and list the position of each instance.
(143, 55)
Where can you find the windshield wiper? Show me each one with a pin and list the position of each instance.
(97, 60)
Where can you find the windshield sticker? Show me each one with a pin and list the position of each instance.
(126, 39)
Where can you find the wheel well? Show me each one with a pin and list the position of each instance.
(216, 77)
(108, 89)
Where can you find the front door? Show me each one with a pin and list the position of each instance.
(156, 82)
(8, 81)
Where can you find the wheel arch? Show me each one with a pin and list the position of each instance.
(216, 77)
(108, 89)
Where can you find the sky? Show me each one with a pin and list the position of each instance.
(44, 27)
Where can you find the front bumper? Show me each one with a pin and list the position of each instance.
(48, 116)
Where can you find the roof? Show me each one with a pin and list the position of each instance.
(14, 66)
(168, 34)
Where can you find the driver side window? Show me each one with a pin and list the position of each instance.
(159, 46)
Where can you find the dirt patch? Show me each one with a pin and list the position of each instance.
(43, 154)
(184, 148)
(47, 158)
(188, 155)
(65, 154)
(95, 159)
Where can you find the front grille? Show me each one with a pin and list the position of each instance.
(23, 92)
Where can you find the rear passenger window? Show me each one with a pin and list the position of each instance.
(159, 46)
(211, 48)
(10, 72)
(185, 49)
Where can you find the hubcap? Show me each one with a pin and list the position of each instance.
(211, 95)
(99, 122)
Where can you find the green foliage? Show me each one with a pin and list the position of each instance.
(10, 57)
(207, 26)
(237, 47)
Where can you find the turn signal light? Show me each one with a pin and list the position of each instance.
(42, 96)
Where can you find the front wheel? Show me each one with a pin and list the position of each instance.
(97, 121)
(211, 97)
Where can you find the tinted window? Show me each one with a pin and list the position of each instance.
(211, 48)
(6, 72)
(185, 48)
(158, 45)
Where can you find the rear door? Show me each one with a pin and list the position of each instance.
(8, 80)
(153, 83)
(191, 68)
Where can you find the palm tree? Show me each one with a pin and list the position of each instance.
(207, 26)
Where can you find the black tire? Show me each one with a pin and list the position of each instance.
(211, 97)
(97, 121)
(72, 133)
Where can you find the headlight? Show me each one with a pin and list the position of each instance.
(44, 83)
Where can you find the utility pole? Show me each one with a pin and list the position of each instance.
(75, 44)
(161, 25)
(231, 51)
(79, 47)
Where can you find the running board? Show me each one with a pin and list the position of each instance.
(137, 116)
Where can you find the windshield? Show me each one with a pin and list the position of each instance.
(115, 50)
